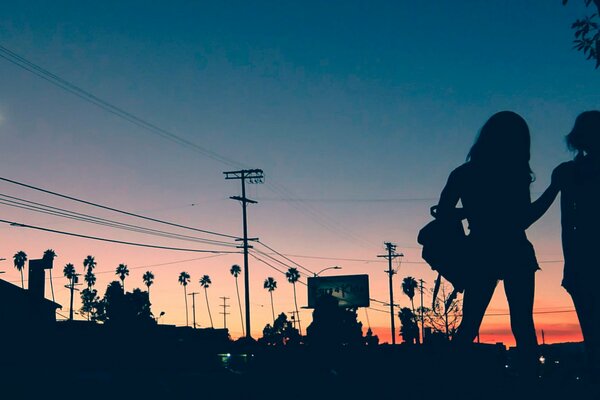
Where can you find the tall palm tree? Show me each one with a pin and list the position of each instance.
(235, 271)
(50, 255)
(148, 279)
(123, 272)
(292, 276)
(184, 279)
(409, 284)
(71, 275)
(90, 278)
(205, 283)
(89, 262)
(20, 258)
(271, 284)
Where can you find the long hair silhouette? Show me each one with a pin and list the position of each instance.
(504, 137)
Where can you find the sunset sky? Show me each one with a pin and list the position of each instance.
(356, 111)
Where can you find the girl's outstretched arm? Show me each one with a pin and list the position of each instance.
(543, 203)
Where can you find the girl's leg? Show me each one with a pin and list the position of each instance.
(587, 306)
(520, 290)
(475, 302)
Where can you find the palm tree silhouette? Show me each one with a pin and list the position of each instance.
(50, 255)
(409, 284)
(235, 271)
(90, 278)
(123, 272)
(271, 284)
(20, 258)
(205, 283)
(71, 275)
(148, 279)
(89, 263)
(184, 279)
(292, 276)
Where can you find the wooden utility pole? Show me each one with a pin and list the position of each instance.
(390, 256)
(422, 315)
(71, 287)
(252, 176)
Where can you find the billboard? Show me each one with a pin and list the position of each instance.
(350, 290)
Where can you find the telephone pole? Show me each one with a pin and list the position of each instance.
(390, 256)
(193, 294)
(422, 315)
(225, 313)
(71, 287)
(252, 176)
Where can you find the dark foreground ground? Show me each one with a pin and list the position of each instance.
(402, 372)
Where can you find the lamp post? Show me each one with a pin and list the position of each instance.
(325, 269)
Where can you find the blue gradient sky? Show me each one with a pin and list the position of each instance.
(363, 106)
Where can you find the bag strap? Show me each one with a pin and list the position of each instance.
(433, 211)
(436, 289)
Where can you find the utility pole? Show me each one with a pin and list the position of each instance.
(543, 337)
(390, 256)
(422, 315)
(71, 287)
(225, 313)
(193, 294)
(252, 176)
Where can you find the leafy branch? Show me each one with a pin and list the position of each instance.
(587, 33)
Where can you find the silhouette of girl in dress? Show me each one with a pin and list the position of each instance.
(493, 187)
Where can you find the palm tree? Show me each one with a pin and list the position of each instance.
(292, 276)
(89, 262)
(184, 279)
(271, 284)
(90, 278)
(71, 275)
(123, 272)
(205, 283)
(148, 279)
(50, 255)
(235, 271)
(409, 284)
(20, 258)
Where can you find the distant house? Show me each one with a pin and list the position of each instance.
(23, 310)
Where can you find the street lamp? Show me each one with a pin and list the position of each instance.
(325, 269)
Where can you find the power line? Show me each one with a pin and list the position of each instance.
(12, 223)
(350, 200)
(288, 259)
(271, 265)
(64, 213)
(366, 260)
(114, 209)
(262, 253)
(48, 76)
(319, 217)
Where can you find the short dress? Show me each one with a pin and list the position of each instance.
(497, 206)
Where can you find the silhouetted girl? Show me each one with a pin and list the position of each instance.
(493, 187)
(579, 182)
